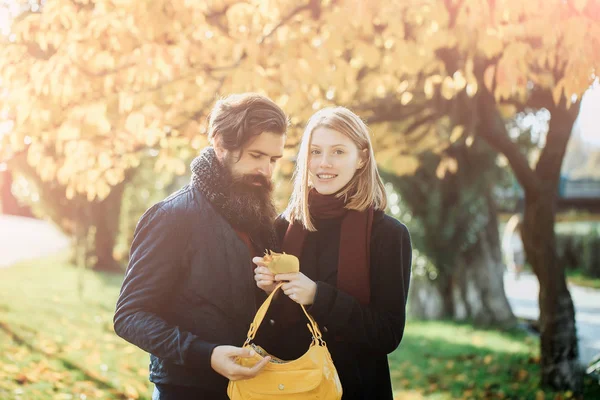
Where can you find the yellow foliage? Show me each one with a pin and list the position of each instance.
(101, 83)
(457, 132)
(446, 165)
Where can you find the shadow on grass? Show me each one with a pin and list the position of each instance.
(70, 365)
(467, 363)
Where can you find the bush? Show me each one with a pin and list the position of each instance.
(580, 251)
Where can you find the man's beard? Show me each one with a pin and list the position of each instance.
(253, 203)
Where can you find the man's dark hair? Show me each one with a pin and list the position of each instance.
(239, 117)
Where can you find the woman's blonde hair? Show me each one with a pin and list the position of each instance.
(364, 190)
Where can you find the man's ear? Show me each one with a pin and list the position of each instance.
(217, 143)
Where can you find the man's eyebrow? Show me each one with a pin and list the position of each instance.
(262, 153)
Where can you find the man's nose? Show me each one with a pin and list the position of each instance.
(266, 169)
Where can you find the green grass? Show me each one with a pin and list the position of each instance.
(56, 345)
(578, 278)
(445, 360)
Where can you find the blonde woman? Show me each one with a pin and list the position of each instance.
(355, 261)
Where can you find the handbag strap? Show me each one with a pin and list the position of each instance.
(262, 311)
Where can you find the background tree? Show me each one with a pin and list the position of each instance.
(454, 205)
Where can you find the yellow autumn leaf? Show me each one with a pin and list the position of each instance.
(10, 368)
(490, 45)
(405, 98)
(131, 392)
(522, 374)
(135, 122)
(459, 80)
(70, 193)
(102, 190)
(441, 169)
(114, 176)
(472, 88)
(404, 165)
(104, 161)
(368, 53)
(457, 132)
(540, 395)
(489, 77)
(448, 89)
(91, 192)
(557, 92)
(429, 89)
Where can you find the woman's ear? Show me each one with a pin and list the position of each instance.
(363, 155)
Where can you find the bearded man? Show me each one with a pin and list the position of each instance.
(189, 294)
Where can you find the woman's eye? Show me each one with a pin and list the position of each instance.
(339, 152)
(314, 152)
(255, 156)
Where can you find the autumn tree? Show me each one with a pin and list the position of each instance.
(460, 67)
(91, 86)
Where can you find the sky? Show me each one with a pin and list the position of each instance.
(589, 117)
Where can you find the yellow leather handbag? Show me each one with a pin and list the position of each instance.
(312, 376)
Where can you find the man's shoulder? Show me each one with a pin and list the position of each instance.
(178, 202)
(177, 207)
(186, 205)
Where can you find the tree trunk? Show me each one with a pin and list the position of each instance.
(473, 290)
(93, 226)
(559, 352)
(479, 275)
(426, 300)
(106, 216)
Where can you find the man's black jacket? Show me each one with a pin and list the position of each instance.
(189, 287)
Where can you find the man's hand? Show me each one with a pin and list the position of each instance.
(223, 362)
(264, 278)
(298, 287)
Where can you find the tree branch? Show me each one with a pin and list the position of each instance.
(285, 19)
(102, 73)
(419, 122)
(561, 124)
(493, 130)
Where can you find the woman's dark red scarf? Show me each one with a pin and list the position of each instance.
(353, 275)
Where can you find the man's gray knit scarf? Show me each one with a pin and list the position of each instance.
(213, 180)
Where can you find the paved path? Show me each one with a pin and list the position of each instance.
(24, 238)
(523, 297)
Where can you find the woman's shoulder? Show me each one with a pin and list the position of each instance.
(388, 232)
(385, 224)
(390, 242)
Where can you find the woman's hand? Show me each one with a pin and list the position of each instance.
(264, 278)
(298, 287)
